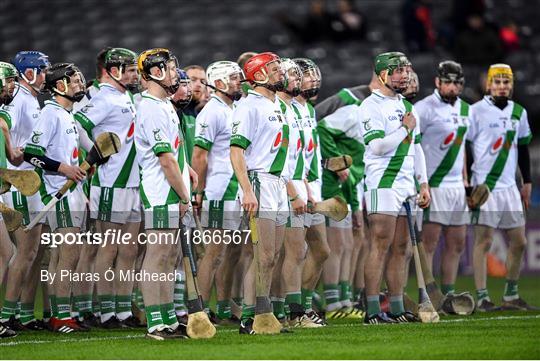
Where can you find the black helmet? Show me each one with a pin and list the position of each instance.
(450, 70)
(63, 72)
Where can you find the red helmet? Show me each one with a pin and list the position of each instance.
(258, 63)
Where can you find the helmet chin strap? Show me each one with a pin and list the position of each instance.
(234, 96)
(500, 102)
(31, 83)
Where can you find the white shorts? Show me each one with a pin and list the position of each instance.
(271, 193)
(313, 219)
(162, 217)
(70, 211)
(29, 206)
(388, 200)
(298, 221)
(448, 207)
(221, 214)
(503, 210)
(116, 205)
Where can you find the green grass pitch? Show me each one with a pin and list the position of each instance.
(498, 335)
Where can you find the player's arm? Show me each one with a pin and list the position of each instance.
(524, 160)
(249, 201)
(387, 143)
(171, 169)
(421, 176)
(14, 155)
(297, 203)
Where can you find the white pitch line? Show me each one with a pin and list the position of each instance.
(91, 339)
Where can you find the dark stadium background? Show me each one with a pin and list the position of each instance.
(200, 32)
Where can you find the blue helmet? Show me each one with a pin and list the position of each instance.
(31, 60)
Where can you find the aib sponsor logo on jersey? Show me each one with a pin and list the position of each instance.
(500, 143)
(131, 131)
(279, 140)
(75, 154)
(451, 139)
(310, 147)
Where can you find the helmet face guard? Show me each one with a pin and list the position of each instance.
(37, 61)
(160, 58)
(500, 73)
(310, 71)
(225, 71)
(398, 69)
(293, 76)
(121, 58)
(8, 78)
(183, 82)
(258, 64)
(65, 72)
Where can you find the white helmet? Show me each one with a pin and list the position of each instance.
(287, 65)
(222, 70)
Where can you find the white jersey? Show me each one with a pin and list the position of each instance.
(296, 168)
(261, 129)
(21, 116)
(157, 130)
(55, 136)
(443, 129)
(495, 135)
(213, 134)
(312, 151)
(91, 92)
(111, 110)
(381, 116)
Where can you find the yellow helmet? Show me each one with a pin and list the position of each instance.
(496, 70)
(153, 57)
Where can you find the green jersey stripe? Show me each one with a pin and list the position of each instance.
(203, 143)
(85, 122)
(240, 141)
(313, 173)
(125, 172)
(348, 97)
(279, 161)
(394, 166)
(526, 140)
(500, 161)
(449, 159)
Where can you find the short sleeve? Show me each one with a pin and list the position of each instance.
(206, 128)
(42, 134)
(524, 130)
(155, 131)
(473, 125)
(372, 124)
(244, 126)
(92, 114)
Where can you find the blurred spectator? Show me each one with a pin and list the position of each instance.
(509, 35)
(348, 23)
(478, 44)
(417, 25)
(314, 27)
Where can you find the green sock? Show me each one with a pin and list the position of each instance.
(95, 307)
(482, 294)
(168, 315)
(344, 291)
(140, 301)
(511, 290)
(123, 303)
(27, 313)
(64, 307)
(18, 310)
(448, 289)
(106, 304)
(179, 294)
(153, 317)
(396, 304)
(248, 311)
(74, 309)
(331, 293)
(278, 305)
(54, 306)
(307, 296)
(373, 305)
(84, 304)
(8, 310)
(223, 309)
